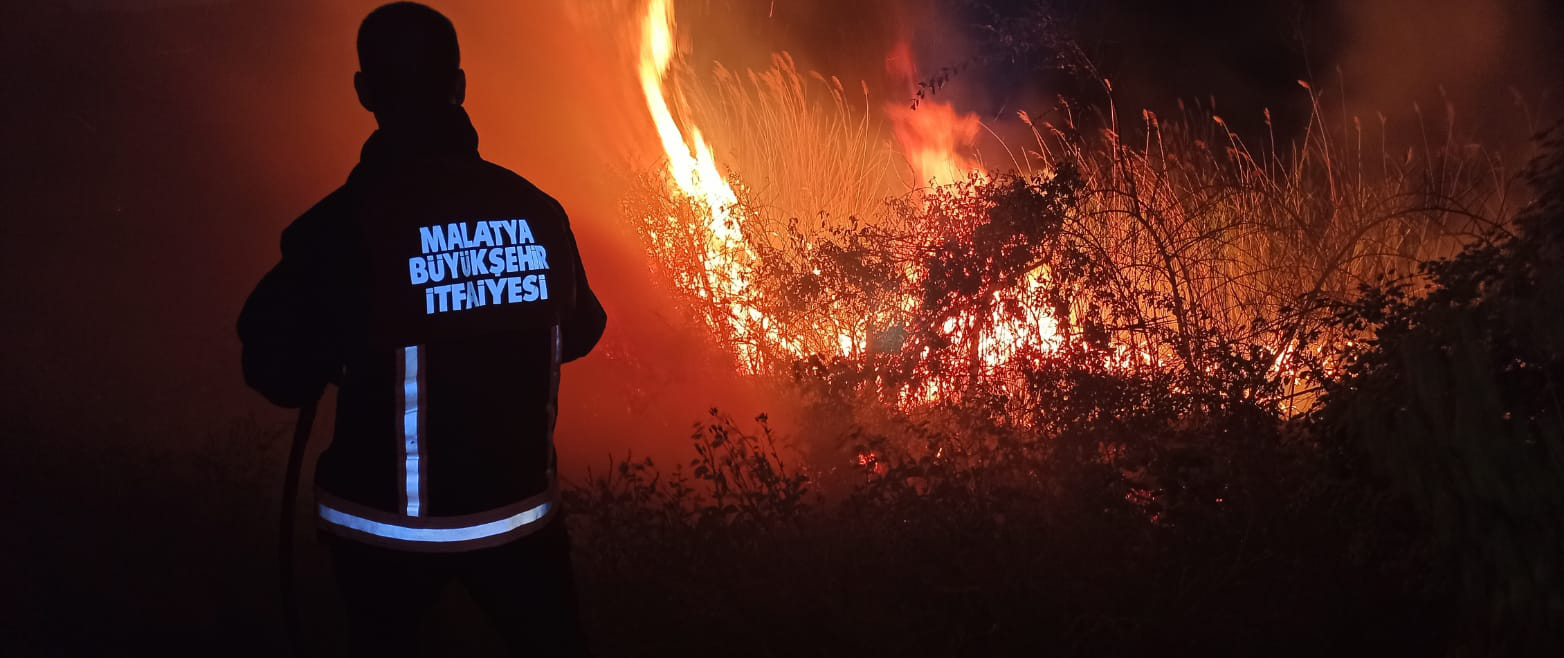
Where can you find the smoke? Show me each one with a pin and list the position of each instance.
(1495, 63)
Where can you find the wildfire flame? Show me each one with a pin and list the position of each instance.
(693, 171)
(690, 164)
(932, 136)
(1183, 258)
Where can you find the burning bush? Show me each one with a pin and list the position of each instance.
(1168, 249)
(1074, 408)
(1079, 497)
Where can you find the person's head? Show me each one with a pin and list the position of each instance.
(409, 63)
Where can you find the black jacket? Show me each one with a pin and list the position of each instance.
(441, 293)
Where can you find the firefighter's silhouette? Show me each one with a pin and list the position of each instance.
(441, 293)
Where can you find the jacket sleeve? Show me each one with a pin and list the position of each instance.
(584, 324)
(290, 346)
(585, 318)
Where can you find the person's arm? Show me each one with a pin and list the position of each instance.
(290, 347)
(584, 323)
(585, 318)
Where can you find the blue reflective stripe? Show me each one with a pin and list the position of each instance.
(441, 535)
(411, 450)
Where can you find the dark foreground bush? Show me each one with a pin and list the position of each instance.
(1455, 405)
(1009, 548)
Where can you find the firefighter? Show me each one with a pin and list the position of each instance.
(440, 293)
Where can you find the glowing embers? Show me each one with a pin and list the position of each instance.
(746, 279)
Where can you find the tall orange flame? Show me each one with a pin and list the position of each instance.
(693, 170)
(933, 136)
(725, 274)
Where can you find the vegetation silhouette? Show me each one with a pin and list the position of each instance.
(1318, 457)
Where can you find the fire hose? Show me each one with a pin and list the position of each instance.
(290, 499)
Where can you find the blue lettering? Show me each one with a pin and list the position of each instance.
(523, 232)
(512, 259)
(436, 269)
(542, 287)
(417, 270)
(431, 238)
(481, 236)
(513, 285)
(529, 285)
(510, 229)
(496, 261)
(536, 258)
(495, 288)
(443, 293)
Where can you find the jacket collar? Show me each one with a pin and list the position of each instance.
(447, 132)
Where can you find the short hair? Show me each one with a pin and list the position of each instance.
(408, 48)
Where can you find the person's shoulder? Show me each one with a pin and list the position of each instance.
(319, 224)
(522, 186)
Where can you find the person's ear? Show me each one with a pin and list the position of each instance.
(459, 87)
(365, 96)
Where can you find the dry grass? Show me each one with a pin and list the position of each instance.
(1211, 239)
(805, 145)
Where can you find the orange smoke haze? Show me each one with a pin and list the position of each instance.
(936, 140)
